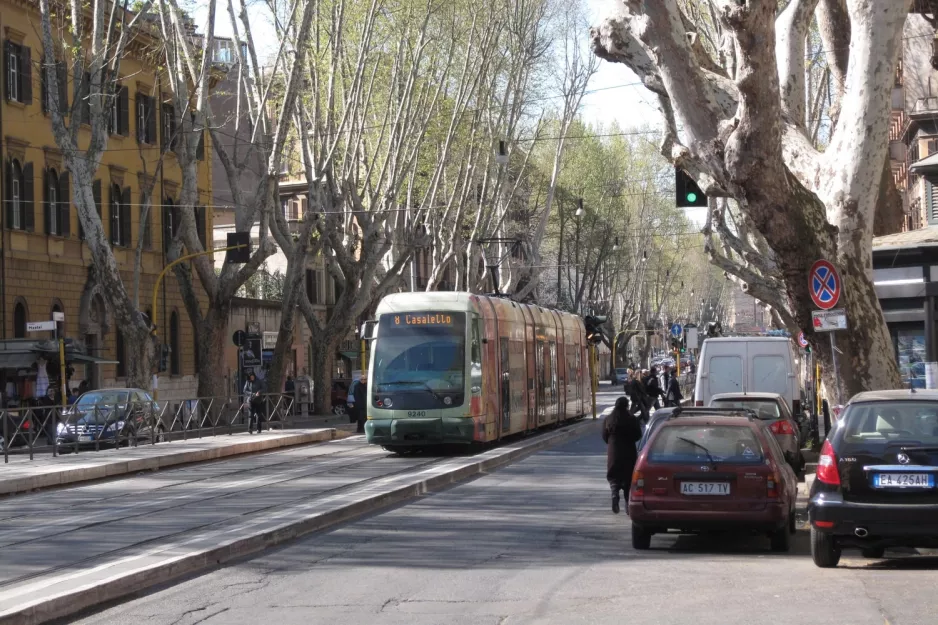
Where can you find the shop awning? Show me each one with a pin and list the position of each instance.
(94, 360)
(350, 355)
(16, 360)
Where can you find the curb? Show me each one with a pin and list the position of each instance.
(122, 466)
(282, 526)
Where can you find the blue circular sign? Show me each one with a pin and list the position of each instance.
(676, 330)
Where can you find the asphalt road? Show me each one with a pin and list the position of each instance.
(535, 542)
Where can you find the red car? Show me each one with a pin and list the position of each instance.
(706, 470)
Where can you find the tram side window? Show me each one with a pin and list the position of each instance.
(475, 356)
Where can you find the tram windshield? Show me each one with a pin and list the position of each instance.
(420, 360)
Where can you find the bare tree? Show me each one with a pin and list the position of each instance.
(94, 59)
(743, 135)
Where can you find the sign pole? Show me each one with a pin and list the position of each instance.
(840, 390)
(593, 375)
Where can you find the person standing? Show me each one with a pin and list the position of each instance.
(673, 395)
(621, 431)
(360, 394)
(253, 393)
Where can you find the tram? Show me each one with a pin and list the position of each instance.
(460, 368)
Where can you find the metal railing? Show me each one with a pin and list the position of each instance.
(55, 429)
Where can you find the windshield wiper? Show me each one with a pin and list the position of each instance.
(713, 462)
(920, 448)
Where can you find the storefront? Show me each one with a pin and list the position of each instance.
(905, 274)
(30, 368)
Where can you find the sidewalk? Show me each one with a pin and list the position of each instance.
(22, 474)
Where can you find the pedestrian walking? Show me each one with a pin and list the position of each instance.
(289, 389)
(621, 431)
(653, 389)
(253, 394)
(350, 402)
(673, 395)
(360, 394)
(639, 397)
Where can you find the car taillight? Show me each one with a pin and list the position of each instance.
(827, 471)
(772, 486)
(782, 427)
(638, 484)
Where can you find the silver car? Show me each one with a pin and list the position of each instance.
(773, 410)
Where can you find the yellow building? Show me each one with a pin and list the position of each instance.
(45, 265)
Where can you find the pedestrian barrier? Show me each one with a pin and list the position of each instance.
(75, 429)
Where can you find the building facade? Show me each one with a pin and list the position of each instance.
(46, 267)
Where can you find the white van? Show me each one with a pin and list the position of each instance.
(748, 364)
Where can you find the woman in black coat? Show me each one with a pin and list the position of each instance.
(620, 432)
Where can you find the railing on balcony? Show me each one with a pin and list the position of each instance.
(897, 125)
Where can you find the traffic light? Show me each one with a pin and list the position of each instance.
(593, 323)
(683, 342)
(164, 358)
(687, 192)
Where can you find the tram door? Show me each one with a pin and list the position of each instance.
(506, 388)
(541, 382)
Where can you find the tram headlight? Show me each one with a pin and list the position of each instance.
(447, 400)
(387, 402)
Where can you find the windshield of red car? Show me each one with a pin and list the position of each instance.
(726, 444)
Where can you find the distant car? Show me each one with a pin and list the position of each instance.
(877, 477)
(622, 375)
(772, 409)
(701, 472)
(339, 397)
(111, 416)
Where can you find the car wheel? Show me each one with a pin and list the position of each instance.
(873, 553)
(339, 409)
(781, 538)
(641, 538)
(824, 549)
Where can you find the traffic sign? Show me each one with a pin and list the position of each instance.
(40, 326)
(801, 340)
(824, 284)
(238, 338)
(829, 320)
(676, 330)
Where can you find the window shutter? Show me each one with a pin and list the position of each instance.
(114, 214)
(65, 205)
(47, 206)
(7, 51)
(43, 86)
(29, 204)
(26, 75)
(141, 130)
(123, 111)
(8, 191)
(151, 120)
(62, 76)
(85, 103)
(167, 228)
(125, 217)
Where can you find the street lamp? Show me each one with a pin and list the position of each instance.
(615, 246)
(644, 255)
(579, 209)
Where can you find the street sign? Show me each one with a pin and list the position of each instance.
(238, 338)
(830, 320)
(58, 316)
(824, 284)
(270, 340)
(40, 326)
(802, 341)
(676, 330)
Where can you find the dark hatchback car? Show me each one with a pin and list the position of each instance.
(713, 472)
(877, 477)
(111, 416)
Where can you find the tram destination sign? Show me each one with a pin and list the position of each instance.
(424, 319)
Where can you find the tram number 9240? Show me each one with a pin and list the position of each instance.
(416, 413)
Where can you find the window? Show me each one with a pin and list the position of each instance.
(770, 375)
(223, 51)
(56, 211)
(146, 119)
(174, 343)
(168, 139)
(725, 374)
(19, 196)
(119, 111)
(61, 79)
(19, 321)
(120, 216)
(120, 355)
(312, 286)
(18, 70)
(909, 342)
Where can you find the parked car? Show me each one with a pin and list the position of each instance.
(703, 472)
(877, 477)
(748, 364)
(339, 396)
(771, 409)
(622, 375)
(111, 416)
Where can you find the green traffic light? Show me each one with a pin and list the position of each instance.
(691, 197)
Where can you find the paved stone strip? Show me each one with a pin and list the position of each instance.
(86, 466)
(62, 593)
